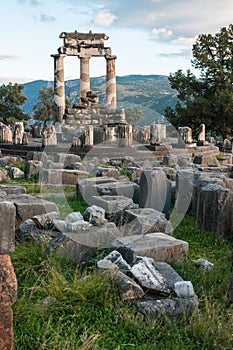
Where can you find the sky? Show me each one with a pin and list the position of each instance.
(148, 36)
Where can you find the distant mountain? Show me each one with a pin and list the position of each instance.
(152, 92)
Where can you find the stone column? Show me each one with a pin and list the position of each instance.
(84, 76)
(111, 81)
(59, 86)
(8, 283)
(201, 135)
(125, 135)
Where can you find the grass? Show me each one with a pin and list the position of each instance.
(87, 313)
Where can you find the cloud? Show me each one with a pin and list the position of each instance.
(184, 41)
(8, 57)
(44, 18)
(186, 54)
(104, 18)
(161, 34)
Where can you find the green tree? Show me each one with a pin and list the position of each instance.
(209, 98)
(45, 108)
(11, 100)
(133, 115)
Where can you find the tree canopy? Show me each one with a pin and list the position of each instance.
(11, 100)
(133, 115)
(207, 99)
(45, 109)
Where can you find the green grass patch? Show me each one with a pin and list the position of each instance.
(85, 312)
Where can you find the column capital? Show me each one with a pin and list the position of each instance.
(111, 57)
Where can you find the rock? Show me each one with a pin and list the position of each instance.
(158, 246)
(44, 221)
(7, 224)
(129, 289)
(26, 230)
(60, 225)
(155, 191)
(33, 168)
(128, 254)
(6, 327)
(86, 188)
(108, 171)
(168, 273)
(16, 173)
(146, 220)
(127, 189)
(184, 289)
(49, 137)
(9, 189)
(203, 263)
(114, 207)
(116, 258)
(208, 161)
(28, 206)
(8, 282)
(60, 177)
(169, 307)
(105, 264)
(95, 215)
(148, 277)
(78, 226)
(66, 159)
(73, 217)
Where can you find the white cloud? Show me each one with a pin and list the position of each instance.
(184, 41)
(104, 18)
(162, 34)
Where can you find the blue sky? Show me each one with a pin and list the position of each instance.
(148, 36)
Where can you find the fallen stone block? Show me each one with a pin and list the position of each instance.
(118, 188)
(159, 246)
(148, 277)
(7, 224)
(28, 206)
(9, 189)
(95, 215)
(146, 220)
(129, 289)
(44, 221)
(86, 188)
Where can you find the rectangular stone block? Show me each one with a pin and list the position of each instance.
(158, 246)
(7, 227)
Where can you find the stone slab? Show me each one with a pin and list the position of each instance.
(159, 246)
(7, 227)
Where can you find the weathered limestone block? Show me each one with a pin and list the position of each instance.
(43, 221)
(95, 215)
(7, 224)
(33, 168)
(18, 133)
(168, 273)
(158, 133)
(146, 220)
(116, 258)
(16, 173)
(9, 189)
(66, 158)
(125, 135)
(210, 203)
(5, 134)
(148, 277)
(184, 190)
(184, 289)
(49, 137)
(155, 191)
(114, 207)
(200, 181)
(158, 246)
(82, 245)
(73, 217)
(185, 134)
(127, 189)
(208, 161)
(169, 307)
(61, 177)
(225, 219)
(28, 206)
(201, 135)
(129, 289)
(8, 296)
(108, 171)
(39, 156)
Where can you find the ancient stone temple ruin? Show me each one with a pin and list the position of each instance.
(84, 46)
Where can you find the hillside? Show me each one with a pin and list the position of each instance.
(152, 92)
